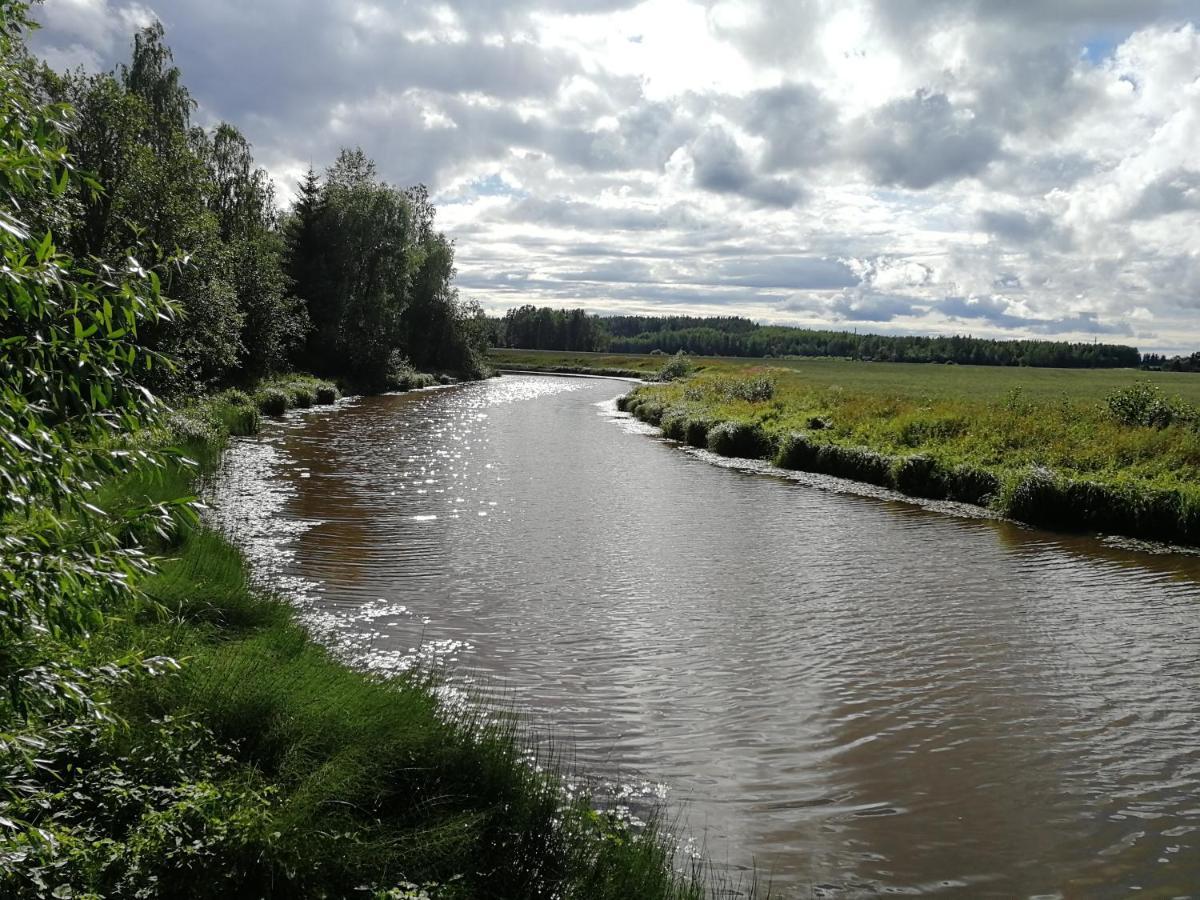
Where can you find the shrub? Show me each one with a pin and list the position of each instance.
(649, 411)
(300, 395)
(1144, 404)
(236, 412)
(738, 439)
(1037, 498)
(752, 390)
(327, 393)
(674, 424)
(678, 366)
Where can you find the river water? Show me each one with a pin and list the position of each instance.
(856, 694)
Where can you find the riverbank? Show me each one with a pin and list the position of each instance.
(1127, 463)
(246, 761)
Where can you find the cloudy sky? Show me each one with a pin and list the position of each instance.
(996, 167)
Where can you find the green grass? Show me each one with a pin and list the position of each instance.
(264, 767)
(918, 381)
(1038, 445)
(276, 395)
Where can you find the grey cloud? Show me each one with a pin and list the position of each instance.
(996, 311)
(798, 273)
(1178, 191)
(722, 167)
(590, 216)
(1017, 227)
(921, 140)
(797, 122)
(865, 306)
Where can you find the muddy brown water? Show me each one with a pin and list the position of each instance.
(856, 694)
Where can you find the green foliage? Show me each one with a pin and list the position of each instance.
(376, 278)
(1143, 404)
(738, 439)
(272, 401)
(69, 396)
(1028, 450)
(678, 366)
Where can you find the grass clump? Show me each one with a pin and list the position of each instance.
(738, 439)
(277, 395)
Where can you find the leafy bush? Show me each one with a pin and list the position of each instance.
(71, 367)
(678, 366)
(797, 452)
(1144, 404)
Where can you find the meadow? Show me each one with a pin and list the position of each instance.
(915, 380)
(1108, 450)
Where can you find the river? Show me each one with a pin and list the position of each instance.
(856, 694)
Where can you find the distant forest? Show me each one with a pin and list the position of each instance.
(543, 328)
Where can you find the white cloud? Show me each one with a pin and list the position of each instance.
(1006, 168)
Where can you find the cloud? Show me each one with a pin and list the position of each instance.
(1018, 227)
(1027, 168)
(865, 306)
(998, 312)
(1173, 192)
(721, 166)
(921, 140)
(797, 122)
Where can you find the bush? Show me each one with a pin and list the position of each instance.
(327, 393)
(738, 439)
(678, 366)
(1144, 404)
(674, 424)
(649, 411)
(1038, 499)
(300, 395)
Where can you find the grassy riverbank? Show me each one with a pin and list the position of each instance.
(258, 765)
(1107, 451)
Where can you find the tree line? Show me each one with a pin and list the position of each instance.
(1160, 362)
(541, 328)
(352, 281)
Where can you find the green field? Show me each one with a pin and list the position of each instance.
(900, 379)
(1113, 450)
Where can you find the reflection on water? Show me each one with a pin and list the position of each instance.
(860, 694)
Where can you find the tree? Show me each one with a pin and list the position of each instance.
(69, 388)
